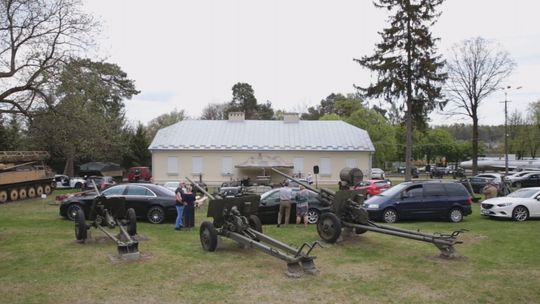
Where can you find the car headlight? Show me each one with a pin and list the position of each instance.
(504, 205)
(373, 206)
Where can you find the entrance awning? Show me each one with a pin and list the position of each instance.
(264, 162)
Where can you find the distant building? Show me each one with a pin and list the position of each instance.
(223, 150)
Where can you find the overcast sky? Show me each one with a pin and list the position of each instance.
(187, 54)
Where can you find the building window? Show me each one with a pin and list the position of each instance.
(226, 166)
(325, 169)
(172, 165)
(298, 166)
(197, 165)
(351, 163)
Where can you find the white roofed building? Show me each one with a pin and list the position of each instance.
(223, 150)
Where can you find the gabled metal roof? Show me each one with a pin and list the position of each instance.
(262, 135)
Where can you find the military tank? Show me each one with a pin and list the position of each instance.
(23, 174)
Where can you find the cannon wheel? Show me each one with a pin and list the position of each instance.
(208, 235)
(255, 223)
(359, 230)
(329, 227)
(80, 226)
(132, 222)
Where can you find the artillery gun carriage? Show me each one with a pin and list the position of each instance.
(348, 212)
(236, 219)
(108, 213)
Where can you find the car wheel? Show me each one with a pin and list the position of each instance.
(520, 213)
(208, 235)
(72, 211)
(132, 222)
(155, 215)
(255, 223)
(390, 216)
(78, 185)
(329, 227)
(80, 226)
(455, 215)
(313, 216)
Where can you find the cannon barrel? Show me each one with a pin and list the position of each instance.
(297, 181)
(200, 188)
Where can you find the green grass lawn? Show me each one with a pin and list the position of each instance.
(40, 262)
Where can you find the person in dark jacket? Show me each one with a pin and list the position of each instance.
(189, 209)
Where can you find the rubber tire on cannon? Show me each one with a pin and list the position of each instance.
(255, 223)
(329, 227)
(80, 226)
(208, 235)
(131, 222)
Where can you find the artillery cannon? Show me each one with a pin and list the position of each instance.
(348, 212)
(110, 213)
(236, 218)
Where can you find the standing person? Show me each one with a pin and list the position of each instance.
(490, 190)
(285, 195)
(189, 200)
(309, 179)
(302, 205)
(179, 206)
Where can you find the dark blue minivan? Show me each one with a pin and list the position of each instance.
(421, 200)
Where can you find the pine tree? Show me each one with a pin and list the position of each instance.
(408, 69)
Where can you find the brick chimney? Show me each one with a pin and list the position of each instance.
(237, 116)
(291, 117)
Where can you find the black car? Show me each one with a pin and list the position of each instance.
(421, 200)
(476, 183)
(529, 180)
(152, 202)
(269, 207)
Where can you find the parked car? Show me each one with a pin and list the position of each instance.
(65, 182)
(496, 177)
(477, 183)
(377, 173)
(519, 205)
(421, 200)
(269, 207)
(519, 175)
(139, 175)
(528, 180)
(152, 202)
(102, 182)
(372, 187)
(414, 171)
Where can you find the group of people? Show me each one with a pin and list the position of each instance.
(185, 207)
(301, 198)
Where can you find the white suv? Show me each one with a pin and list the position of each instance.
(377, 173)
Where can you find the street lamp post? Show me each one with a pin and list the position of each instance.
(505, 89)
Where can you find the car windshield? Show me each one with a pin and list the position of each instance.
(523, 193)
(394, 190)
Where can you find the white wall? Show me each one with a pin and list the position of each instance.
(212, 164)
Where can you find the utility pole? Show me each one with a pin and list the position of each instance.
(506, 101)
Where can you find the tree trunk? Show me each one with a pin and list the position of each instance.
(69, 168)
(475, 146)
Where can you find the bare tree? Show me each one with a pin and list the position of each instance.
(476, 69)
(36, 37)
(215, 111)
